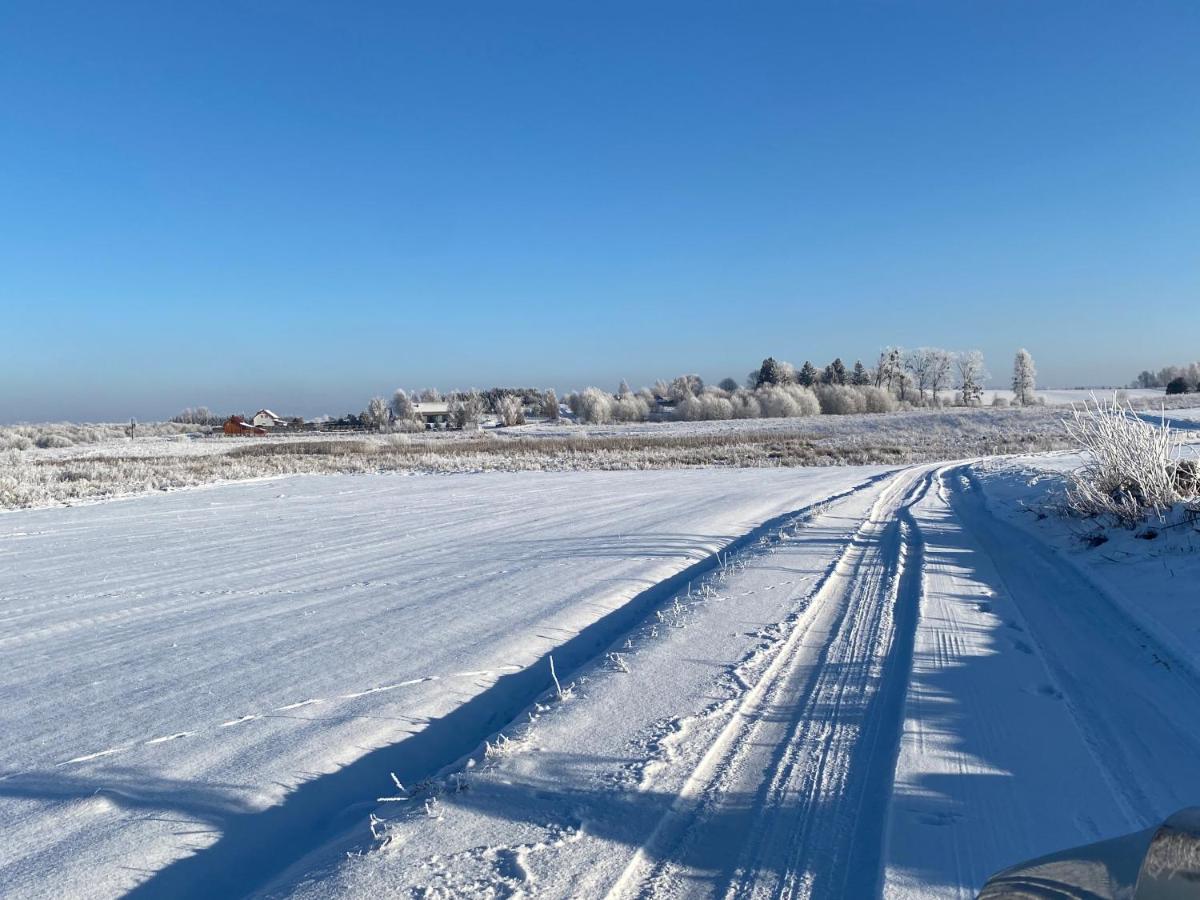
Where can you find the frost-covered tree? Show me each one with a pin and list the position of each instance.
(859, 376)
(1024, 379)
(807, 376)
(769, 372)
(970, 377)
(377, 415)
(592, 406)
(889, 367)
(550, 405)
(835, 372)
(431, 395)
(684, 386)
(728, 385)
(510, 410)
(624, 390)
(941, 367)
(402, 405)
(467, 409)
(918, 362)
(630, 408)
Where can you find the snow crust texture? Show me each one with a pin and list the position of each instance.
(806, 683)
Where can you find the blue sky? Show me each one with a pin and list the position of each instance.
(305, 204)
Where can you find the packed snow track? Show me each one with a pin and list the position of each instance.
(777, 683)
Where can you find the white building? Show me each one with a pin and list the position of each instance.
(264, 418)
(434, 413)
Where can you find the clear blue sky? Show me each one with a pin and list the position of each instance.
(303, 204)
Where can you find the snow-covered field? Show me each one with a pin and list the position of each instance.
(1067, 396)
(834, 682)
(177, 665)
(117, 466)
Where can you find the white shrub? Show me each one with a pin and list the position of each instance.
(744, 404)
(840, 400)
(781, 401)
(629, 408)
(710, 405)
(877, 400)
(1131, 465)
(510, 409)
(550, 405)
(593, 406)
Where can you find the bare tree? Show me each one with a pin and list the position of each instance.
(940, 369)
(889, 367)
(970, 377)
(920, 363)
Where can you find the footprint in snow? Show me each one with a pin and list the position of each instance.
(1023, 647)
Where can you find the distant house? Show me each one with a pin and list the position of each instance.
(434, 413)
(239, 426)
(264, 418)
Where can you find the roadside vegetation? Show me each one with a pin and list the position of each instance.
(1133, 472)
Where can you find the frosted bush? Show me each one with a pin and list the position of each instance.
(15, 441)
(877, 400)
(710, 405)
(1131, 468)
(840, 400)
(781, 401)
(629, 408)
(744, 404)
(510, 409)
(52, 441)
(592, 406)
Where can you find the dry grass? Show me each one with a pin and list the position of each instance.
(42, 477)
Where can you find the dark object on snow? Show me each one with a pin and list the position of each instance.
(239, 426)
(1160, 863)
(1178, 386)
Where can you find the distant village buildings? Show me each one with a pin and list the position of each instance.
(264, 418)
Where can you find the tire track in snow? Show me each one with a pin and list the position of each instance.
(257, 847)
(1070, 623)
(787, 770)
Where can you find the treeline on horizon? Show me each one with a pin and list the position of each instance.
(1183, 379)
(900, 379)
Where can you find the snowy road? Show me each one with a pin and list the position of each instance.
(910, 693)
(881, 687)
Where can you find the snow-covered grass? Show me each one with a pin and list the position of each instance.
(38, 477)
(1132, 467)
(1067, 396)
